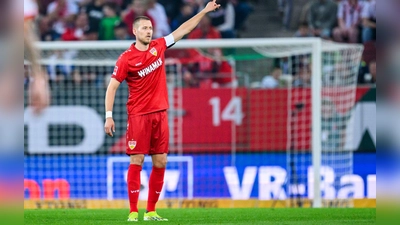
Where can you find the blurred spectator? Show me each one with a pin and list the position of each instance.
(81, 3)
(349, 21)
(205, 30)
(91, 35)
(75, 31)
(60, 13)
(94, 10)
(45, 29)
(137, 8)
(368, 76)
(303, 76)
(157, 12)
(303, 31)
(285, 9)
(322, 18)
(172, 8)
(123, 4)
(224, 19)
(60, 71)
(242, 11)
(109, 21)
(215, 71)
(186, 12)
(121, 32)
(211, 71)
(272, 81)
(63, 7)
(86, 74)
(224, 76)
(372, 71)
(304, 14)
(189, 80)
(285, 64)
(369, 21)
(43, 6)
(369, 53)
(84, 3)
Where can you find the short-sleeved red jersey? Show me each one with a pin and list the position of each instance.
(144, 72)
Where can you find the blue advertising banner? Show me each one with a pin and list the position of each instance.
(252, 175)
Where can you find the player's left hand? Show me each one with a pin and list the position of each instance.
(211, 6)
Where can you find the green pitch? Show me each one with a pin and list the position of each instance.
(325, 216)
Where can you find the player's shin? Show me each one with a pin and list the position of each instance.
(156, 182)
(134, 186)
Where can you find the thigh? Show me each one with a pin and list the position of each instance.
(138, 135)
(160, 133)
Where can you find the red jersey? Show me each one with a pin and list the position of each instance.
(144, 72)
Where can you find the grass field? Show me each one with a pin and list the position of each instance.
(325, 216)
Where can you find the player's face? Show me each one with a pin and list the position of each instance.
(143, 31)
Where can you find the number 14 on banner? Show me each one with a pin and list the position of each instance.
(232, 111)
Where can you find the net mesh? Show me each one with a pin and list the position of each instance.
(240, 126)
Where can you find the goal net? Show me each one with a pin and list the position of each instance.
(262, 120)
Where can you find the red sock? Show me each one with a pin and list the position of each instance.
(156, 182)
(134, 186)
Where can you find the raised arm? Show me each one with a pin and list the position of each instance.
(189, 25)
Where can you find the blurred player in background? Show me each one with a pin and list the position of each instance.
(38, 89)
(142, 66)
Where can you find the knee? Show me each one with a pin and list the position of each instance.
(137, 159)
(160, 162)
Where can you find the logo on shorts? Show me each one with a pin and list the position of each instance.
(132, 144)
(153, 51)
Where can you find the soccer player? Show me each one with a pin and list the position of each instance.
(38, 89)
(142, 66)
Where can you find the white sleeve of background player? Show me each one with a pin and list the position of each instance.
(30, 9)
(169, 40)
(229, 23)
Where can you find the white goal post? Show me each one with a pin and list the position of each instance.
(267, 47)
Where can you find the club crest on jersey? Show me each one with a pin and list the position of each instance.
(153, 51)
(132, 144)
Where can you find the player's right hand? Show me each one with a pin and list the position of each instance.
(109, 127)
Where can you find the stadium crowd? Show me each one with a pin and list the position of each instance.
(73, 20)
(350, 21)
(344, 21)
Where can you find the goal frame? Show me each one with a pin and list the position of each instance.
(316, 55)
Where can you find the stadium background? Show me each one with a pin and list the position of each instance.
(54, 173)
